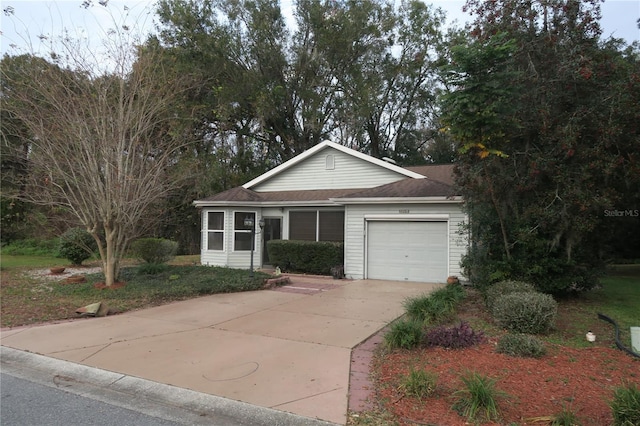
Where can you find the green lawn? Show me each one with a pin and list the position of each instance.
(618, 298)
(29, 300)
(9, 261)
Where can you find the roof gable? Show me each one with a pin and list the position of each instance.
(296, 162)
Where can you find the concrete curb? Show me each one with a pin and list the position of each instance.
(168, 402)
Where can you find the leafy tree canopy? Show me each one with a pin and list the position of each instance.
(545, 116)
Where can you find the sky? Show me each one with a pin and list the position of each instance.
(31, 18)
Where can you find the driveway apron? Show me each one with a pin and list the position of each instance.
(287, 349)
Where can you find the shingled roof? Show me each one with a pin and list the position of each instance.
(441, 172)
(406, 188)
(438, 183)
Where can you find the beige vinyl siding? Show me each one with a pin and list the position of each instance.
(228, 257)
(347, 172)
(355, 232)
(213, 257)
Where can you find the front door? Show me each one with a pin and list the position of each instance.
(272, 231)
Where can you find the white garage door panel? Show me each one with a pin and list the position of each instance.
(409, 251)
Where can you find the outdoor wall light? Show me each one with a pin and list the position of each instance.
(248, 222)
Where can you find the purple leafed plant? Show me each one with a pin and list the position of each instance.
(456, 337)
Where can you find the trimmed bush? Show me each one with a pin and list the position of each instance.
(404, 334)
(456, 337)
(152, 269)
(436, 306)
(521, 345)
(625, 406)
(506, 287)
(154, 250)
(76, 245)
(310, 257)
(529, 313)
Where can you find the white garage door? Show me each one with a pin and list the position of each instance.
(407, 251)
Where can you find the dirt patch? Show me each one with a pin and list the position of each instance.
(116, 285)
(47, 275)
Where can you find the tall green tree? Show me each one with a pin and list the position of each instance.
(543, 113)
(362, 73)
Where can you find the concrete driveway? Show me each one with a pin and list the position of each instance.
(288, 349)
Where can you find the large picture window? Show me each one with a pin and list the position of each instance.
(242, 233)
(316, 225)
(215, 231)
(302, 226)
(331, 226)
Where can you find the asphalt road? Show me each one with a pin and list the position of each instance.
(26, 403)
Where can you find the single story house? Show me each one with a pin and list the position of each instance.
(396, 223)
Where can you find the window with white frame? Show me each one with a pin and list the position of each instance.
(215, 231)
(242, 232)
(316, 225)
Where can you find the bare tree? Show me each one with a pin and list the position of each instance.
(100, 141)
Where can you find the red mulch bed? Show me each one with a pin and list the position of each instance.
(578, 380)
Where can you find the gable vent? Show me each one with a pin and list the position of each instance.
(330, 162)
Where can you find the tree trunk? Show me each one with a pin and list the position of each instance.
(110, 260)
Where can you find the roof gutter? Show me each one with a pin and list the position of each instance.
(328, 202)
(398, 200)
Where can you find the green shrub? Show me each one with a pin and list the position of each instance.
(419, 383)
(436, 306)
(426, 310)
(521, 345)
(404, 334)
(625, 406)
(505, 287)
(310, 257)
(152, 269)
(478, 398)
(77, 245)
(32, 247)
(530, 261)
(529, 313)
(154, 250)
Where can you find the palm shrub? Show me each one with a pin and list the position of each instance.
(565, 417)
(478, 398)
(154, 250)
(404, 334)
(625, 406)
(502, 288)
(436, 306)
(76, 245)
(419, 383)
(529, 313)
(521, 345)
